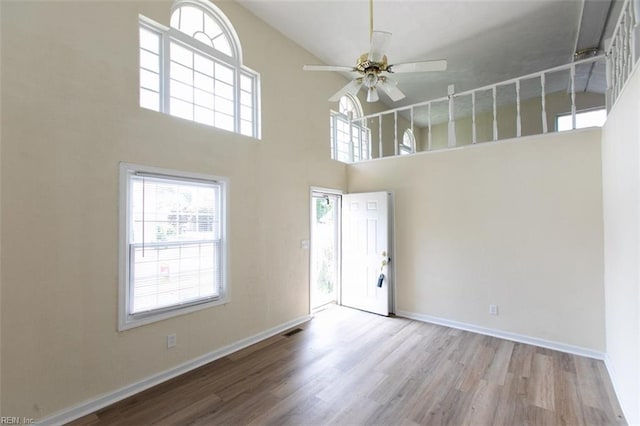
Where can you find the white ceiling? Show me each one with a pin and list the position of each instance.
(484, 41)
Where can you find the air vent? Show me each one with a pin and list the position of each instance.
(292, 332)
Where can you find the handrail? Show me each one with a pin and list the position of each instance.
(621, 51)
(485, 88)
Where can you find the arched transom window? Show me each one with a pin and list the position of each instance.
(193, 69)
(408, 145)
(350, 140)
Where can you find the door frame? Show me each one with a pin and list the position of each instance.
(332, 192)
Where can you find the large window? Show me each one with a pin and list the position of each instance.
(173, 245)
(350, 141)
(193, 70)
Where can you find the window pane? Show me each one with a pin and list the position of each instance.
(191, 20)
(225, 122)
(203, 82)
(203, 98)
(149, 99)
(593, 118)
(224, 106)
(149, 61)
(149, 80)
(224, 90)
(165, 210)
(224, 73)
(181, 73)
(246, 99)
(181, 91)
(149, 40)
(181, 109)
(203, 65)
(204, 116)
(246, 113)
(181, 55)
(211, 28)
(246, 83)
(246, 128)
(168, 276)
(222, 44)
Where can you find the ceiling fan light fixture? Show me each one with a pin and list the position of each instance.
(372, 95)
(370, 80)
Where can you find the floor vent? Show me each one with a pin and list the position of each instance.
(292, 332)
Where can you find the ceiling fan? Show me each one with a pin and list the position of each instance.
(372, 68)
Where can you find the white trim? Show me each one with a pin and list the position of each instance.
(515, 337)
(92, 405)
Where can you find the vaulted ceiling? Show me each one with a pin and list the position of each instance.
(484, 41)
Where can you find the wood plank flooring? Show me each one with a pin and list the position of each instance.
(350, 367)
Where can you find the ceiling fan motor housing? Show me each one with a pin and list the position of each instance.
(366, 66)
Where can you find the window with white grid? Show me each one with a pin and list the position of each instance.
(173, 243)
(350, 140)
(193, 70)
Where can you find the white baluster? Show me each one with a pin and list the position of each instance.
(415, 148)
(544, 103)
(518, 119)
(495, 115)
(473, 118)
(395, 132)
(452, 123)
(429, 144)
(573, 96)
(380, 151)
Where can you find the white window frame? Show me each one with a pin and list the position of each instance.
(127, 320)
(169, 34)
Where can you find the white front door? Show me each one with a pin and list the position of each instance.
(366, 251)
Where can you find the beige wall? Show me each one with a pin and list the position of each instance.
(517, 224)
(531, 121)
(621, 188)
(70, 115)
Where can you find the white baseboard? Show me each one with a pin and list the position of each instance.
(92, 405)
(557, 346)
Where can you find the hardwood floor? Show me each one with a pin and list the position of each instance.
(350, 367)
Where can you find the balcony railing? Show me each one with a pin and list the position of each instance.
(526, 105)
(622, 50)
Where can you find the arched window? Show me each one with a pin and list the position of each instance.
(348, 104)
(193, 69)
(408, 145)
(350, 140)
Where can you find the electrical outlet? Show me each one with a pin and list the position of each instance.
(493, 309)
(171, 341)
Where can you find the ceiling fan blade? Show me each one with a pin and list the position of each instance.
(390, 88)
(352, 88)
(338, 68)
(379, 44)
(425, 66)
